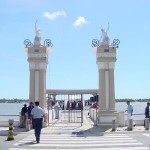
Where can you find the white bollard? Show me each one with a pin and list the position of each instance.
(130, 125)
(28, 125)
(146, 123)
(93, 114)
(113, 125)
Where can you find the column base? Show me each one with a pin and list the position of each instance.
(106, 117)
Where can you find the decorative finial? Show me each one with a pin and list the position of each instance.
(37, 30)
(37, 39)
(35, 25)
(104, 36)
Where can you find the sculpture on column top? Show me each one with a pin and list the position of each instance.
(104, 36)
(37, 39)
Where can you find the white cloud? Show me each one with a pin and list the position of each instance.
(80, 21)
(54, 15)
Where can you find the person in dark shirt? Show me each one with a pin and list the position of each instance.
(80, 105)
(147, 111)
(30, 107)
(23, 116)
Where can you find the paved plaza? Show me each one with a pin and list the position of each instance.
(73, 136)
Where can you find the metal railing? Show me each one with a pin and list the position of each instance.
(6, 117)
(136, 116)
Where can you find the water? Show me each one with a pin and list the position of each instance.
(15, 108)
(138, 108)
(10, 109)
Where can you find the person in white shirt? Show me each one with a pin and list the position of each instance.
(129, 112)
(57, 108)
(37, 115)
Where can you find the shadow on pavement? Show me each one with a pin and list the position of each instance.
(93, 131)
(27, 143)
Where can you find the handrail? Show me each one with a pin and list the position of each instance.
(121, 111)
(9, 115)
(5, 117)
(136, 114)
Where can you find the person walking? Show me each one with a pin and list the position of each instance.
(129, 113)
(37, 115)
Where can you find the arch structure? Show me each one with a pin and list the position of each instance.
(71, 91)
(71, 103)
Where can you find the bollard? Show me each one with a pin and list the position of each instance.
(146, 123)
(10, 132)
(113, 125)
(93, 114)
(130, 124)
(28, 125)
(52, 114)
(45, 124)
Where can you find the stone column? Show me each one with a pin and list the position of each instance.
(32, 86)
(42, 86)
(112, 90)
(102, 102)
(106, 57)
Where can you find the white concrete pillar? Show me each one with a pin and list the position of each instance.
(107, 89)
(146, 123)
(42, 88)
(102, 102)
(111, 90)
(32, 86)
(37, 85)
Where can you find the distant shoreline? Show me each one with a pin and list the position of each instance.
(133, 100)
(27, 100)
(14, 100)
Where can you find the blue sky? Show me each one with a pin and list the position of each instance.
(71, 25)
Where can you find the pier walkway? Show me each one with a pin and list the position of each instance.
(73, 136)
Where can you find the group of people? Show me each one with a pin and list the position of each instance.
(35, 114)
(25, 114)
(71, 105)
(74, 105)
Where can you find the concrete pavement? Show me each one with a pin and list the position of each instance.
(69, 131)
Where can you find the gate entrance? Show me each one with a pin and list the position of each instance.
(71, 104)
(73, 110)
(66, 108)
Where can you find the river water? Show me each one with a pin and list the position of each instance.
(15, 108)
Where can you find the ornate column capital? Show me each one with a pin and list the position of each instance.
(37, 55)
(106, 65)
(38, 66)
(106, 55)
